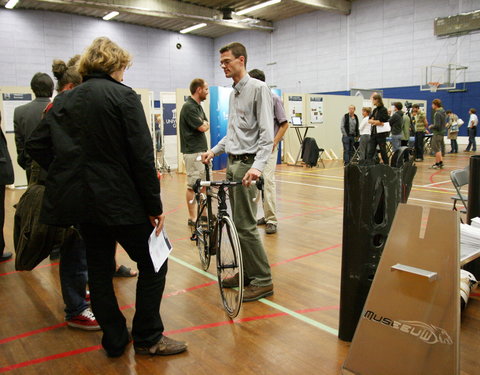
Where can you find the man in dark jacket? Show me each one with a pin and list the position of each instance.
(438, 130)
(349, 128)
(27, 117)
(6, 178)
(396, 123)
(101, 174)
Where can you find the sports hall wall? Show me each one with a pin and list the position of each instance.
(30, 40)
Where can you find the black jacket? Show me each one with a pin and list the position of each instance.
(381, 114)
(396, 123)
(96, 145)
(6, 167)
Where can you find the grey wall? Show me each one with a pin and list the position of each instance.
(30, 40)
(383, 43)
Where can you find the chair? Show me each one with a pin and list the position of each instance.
(459, 179)
(320, 159)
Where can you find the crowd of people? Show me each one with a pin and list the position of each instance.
(369, 136)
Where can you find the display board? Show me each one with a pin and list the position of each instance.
(219, 102)
(314, 109)
(327, 134)
(388, 102)
(181, 96)
(294, 105)
(168, 108)
(10, 98)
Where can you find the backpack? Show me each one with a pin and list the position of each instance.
(310, 152)
(33, 240)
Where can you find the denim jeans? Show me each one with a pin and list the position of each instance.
(396, 142)
(472, 143)
(347, 141)
(73, 275)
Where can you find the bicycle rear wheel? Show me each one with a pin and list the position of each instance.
(202, 234)
(229, 264)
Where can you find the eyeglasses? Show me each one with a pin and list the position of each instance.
(227, 62)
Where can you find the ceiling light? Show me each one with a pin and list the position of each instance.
(110, 15)
(192, 28)
(11, 4)
(256, 7)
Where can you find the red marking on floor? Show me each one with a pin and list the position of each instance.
(31, 333)
(475, 294)
(8, 260)
(174, 210)
(305, 255)
(171, 332)
(36, 268)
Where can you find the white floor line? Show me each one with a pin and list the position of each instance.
(435, 183)
(334, 188)
(281, 308)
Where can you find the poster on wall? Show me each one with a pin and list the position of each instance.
(169, 115)
(295, 106)
(316, 110)
(10, 102)
(170, 118)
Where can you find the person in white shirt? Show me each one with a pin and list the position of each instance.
(364, 129)
(472, 130)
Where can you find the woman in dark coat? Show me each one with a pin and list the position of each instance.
(96, 145)
(378, 118)
(6, 178)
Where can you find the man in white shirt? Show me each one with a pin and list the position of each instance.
(472, 130)
(364, 129)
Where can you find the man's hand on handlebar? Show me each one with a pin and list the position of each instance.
(251, 175)
(207, 156)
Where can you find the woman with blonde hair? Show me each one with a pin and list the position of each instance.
(108, 184)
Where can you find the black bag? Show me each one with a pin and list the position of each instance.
(33, 240)
(310, 152)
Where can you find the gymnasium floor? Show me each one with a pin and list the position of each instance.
(292, 332)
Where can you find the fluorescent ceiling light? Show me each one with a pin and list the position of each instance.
(256, 7)
(11, 4)
(110, 15)
(191, 28)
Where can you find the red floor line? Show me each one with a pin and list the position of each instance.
(31, 333)
(36, 268)
(305, 255)
(8, 260)
(475, 294)
(174, 210)
(171, 332)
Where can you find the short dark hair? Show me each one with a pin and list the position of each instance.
(195, 84)
(398, 105)
(237, 49)
(42, 85)
(473, 110)
(257, 74)
(416, 106)
(437, 102)
(448, 111)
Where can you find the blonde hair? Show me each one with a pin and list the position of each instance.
(367, 109)
(105, 56)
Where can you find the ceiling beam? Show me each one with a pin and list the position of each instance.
(338, 6)
(169, 9)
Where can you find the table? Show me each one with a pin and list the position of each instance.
(468, 254)
(301, 139)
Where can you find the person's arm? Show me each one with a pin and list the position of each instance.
(19, 139)
(342, 126)
(264, 114)
(406, 127)
(436, 121)
(281, 117)
(39, 145)
(205, 127)
(140, 151)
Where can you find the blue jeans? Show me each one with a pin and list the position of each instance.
(73, 275)
(396, 141)
(347, 141)
(472, 132)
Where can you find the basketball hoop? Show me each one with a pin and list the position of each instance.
(433, 86)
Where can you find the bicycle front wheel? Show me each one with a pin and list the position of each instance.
(202, 234)
(229, 267)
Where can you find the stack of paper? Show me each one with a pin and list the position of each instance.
(476, 222)
(469, 240)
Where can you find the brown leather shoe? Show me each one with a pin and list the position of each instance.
(166, 346)
(233, 282)
(254, 293)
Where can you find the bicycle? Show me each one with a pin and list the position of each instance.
(217, 235)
